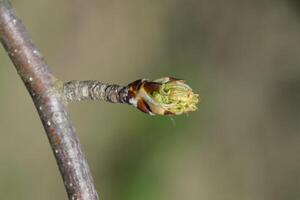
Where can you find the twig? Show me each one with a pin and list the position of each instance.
(43, 88)
(95, 90)
(165, 96)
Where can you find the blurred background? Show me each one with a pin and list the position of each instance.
(242, 57)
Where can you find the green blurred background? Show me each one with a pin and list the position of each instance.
(243, 57)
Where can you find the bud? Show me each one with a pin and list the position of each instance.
(165, 96)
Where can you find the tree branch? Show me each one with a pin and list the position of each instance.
(165, 96)
(43, 88)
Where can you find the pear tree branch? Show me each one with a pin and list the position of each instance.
(165, 96)
(43, 88)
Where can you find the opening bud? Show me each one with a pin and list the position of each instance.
(164, 96)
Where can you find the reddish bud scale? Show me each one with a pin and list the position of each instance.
(165, 96)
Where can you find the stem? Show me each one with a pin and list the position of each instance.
(95, 90)
(164, 96)
(42, 86)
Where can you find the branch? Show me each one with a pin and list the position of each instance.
(42, 86)
(165, 96)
